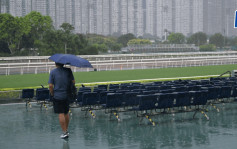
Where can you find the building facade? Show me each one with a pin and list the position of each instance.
(139, 17)
(164, 18)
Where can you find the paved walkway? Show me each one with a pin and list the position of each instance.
(38, 129)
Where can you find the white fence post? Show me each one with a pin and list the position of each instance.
(35, 70)
(21, 70)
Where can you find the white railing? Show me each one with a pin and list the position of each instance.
(121, 62)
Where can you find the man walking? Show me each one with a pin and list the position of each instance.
(60, 80)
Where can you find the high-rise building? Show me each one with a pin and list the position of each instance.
(197, 18)
(139, 17)
(131, 16)
(51, 11)
(60, 13)
(84, 17)
(164, 18)
(182, 17)
(77, 16)
(99, 17)
(68, 11)
(124, 16)
(115, 16)
(14, 7)
(4, 6)
(228, 15)
(150, 17)
(215, 10)
(106, 17)
(92, 16)
(39, 5)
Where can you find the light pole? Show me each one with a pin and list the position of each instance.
(165, 10)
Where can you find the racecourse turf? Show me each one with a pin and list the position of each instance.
(35, 80)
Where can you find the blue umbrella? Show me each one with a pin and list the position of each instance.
(69, 59)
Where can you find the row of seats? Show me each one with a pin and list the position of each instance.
(42, 94)
(181, 95)
(165, 99)
(145, 99)
(155, 95)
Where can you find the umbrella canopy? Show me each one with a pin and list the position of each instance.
(70, 59)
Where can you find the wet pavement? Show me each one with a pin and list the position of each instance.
(39, 129)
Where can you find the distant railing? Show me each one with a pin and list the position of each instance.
(143, 48)
(27, 65)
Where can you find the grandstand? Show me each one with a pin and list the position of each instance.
(154, 48)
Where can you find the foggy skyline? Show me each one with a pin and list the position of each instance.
(139, 17)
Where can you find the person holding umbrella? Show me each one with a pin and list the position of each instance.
(60, 80)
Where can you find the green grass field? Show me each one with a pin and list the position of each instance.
(35, 80)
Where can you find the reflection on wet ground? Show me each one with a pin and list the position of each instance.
(37, 129)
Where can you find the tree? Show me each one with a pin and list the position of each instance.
(208, 47)
(12, 30)
(116, 47)
(52, 43)
(101, 48)
(79, 42)
(4, 48)
(176, 38)
(112, 44)
(109, 42)
(217, 39)
(125, 38)
(67, 28)
(233, 42)
(67, 34)
(39, 25)
(198, 39)
(90, 50)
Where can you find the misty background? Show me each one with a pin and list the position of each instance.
(156, 18)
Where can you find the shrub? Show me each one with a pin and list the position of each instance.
(208, 47)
